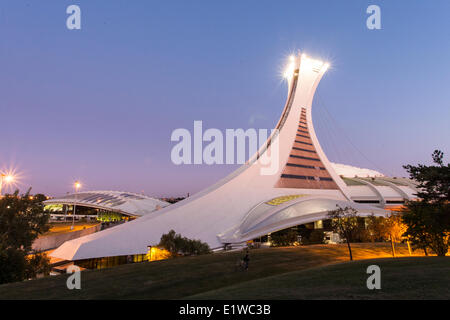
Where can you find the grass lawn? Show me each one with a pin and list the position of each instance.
(213, 275)
(401, 278)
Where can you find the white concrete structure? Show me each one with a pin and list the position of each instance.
(246, 205)
(130, 204)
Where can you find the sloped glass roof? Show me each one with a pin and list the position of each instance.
(125, 202)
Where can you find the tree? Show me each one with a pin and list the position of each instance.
(176, 245)
(344, 222)
(394, 229)
(428, 225)
(375, 228)
(428, 219)
(434, 181)
(389, 228)
(22, 220)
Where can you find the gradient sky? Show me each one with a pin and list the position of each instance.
(99, 104)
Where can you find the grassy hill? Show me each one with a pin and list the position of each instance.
(214, 275)
(402, 278)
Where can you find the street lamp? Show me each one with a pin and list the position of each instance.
(77, 186)
(5, 179)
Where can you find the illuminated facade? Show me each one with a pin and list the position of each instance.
(247, 204)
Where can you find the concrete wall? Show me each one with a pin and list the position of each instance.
(52, 242)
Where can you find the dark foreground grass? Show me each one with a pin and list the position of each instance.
(184, 277)
(401, 278)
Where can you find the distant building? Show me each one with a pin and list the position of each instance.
(102, 205)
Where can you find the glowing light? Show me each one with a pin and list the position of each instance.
(8, 178)
(289, 71)
(315, 64)
(77, 185)
(306, 63)
(155, 253)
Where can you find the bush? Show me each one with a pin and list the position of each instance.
(178, 245)
(286, 237)
(38, 264)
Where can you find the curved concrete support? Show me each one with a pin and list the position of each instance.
(265, 218)
(410, 183)
(397, 189)
(375, 190)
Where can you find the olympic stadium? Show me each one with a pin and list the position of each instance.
(248, 205)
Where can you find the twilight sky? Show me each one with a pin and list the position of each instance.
(99, 104)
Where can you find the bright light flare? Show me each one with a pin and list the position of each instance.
(77, 185)
(306, 63)
(8, 178)
(289, 71)
(314, 63)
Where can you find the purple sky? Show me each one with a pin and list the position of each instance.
(99, 104)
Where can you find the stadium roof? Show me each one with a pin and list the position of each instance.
(352, 171)
(131, 204)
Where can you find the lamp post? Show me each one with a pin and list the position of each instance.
(77, 186)
(4, 179)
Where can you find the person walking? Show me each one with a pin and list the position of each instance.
(246, 260)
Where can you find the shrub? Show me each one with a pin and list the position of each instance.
(178, 245)
(286, 237)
